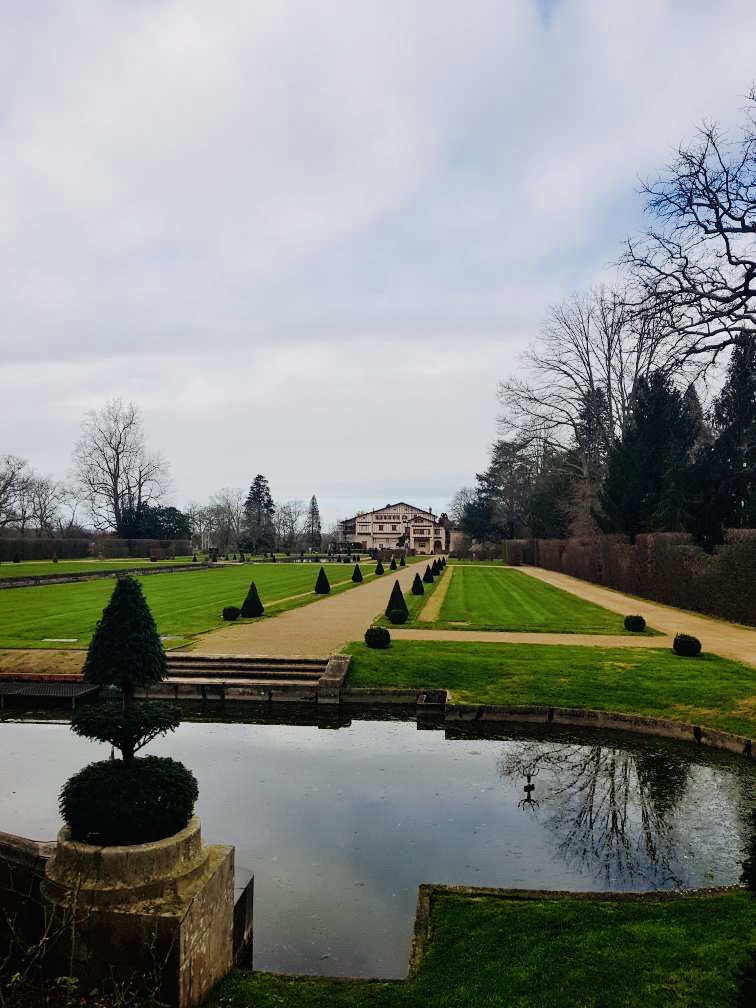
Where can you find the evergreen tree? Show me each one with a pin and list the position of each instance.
(647, 476)
(322, 587)
(734, 450)
(396, 600)
(428, 576)
(357, 574)
(312, 530)
(126, 651)
(258, 512)
(252, 606)
(417, 586)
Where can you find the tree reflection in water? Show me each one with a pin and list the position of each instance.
(612, 811)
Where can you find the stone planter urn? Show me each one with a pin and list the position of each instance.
(158, 916)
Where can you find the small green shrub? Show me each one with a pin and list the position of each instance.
(111, 802)
(686, 645)
(322, 585)
(379, 568)
(194, 558)
(231, 612)
(377, 637)
(428, 576)
(357, 574)
(417, 586)
(397, 615)
(252, 606)
(635, 624)
(392, 565)
(402, 561)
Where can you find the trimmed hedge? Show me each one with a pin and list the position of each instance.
(686, 645)
(397, 615)
(357, 574)
(377, 637)
(252, 606)
(111, 803)
(635, 624)
(396, 603)
(428, 576)
(392, 565)
(417, 586)
(231, 612)
(379, 568)
(322, 585)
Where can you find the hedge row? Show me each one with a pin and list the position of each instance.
(76, 549)
(666, 567)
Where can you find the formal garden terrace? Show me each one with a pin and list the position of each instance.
(341, 817)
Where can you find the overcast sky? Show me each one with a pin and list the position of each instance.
(309, 238)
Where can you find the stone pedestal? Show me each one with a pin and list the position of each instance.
(157, 916)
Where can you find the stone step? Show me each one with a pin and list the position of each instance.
(262, 672)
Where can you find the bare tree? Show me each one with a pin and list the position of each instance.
(695, 271)
(14, 477)
(581, 374)
(226, 515)
(287, 522)
(113, 470)
(459, 502)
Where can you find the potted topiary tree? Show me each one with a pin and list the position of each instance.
(128, 800)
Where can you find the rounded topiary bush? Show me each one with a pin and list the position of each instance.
(231, 612)
(686, 645)
(397, 615)
(112, 803)
(635, 624)
(377, 637)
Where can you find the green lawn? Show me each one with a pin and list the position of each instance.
(500, 598)
(34, 568)
(487, 951)
(656, 682)
(183, 604)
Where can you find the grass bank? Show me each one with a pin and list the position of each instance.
(36, 568)
(500, 598)
(568, 953)
(708, 690)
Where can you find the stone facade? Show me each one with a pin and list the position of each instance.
(397, 526)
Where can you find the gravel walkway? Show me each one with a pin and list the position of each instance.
(730, 640)
(312, 631)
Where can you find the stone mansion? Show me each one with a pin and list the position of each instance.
(397, 526)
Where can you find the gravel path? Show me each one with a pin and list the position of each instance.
(312, 631)
(514, 637)
(730, 640)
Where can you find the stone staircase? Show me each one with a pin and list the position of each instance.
(241, 677)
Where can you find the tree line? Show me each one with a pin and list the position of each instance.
(603, 429)
(118, 485)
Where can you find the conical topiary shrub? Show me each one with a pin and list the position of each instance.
(357, 574)
(402, 561)
(379, 568)
(392, 565)
(322, 587)
(252, 606)
(396, 600)
(428, 576)
(435, 570)
(417, 586)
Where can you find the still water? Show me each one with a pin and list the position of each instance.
(340, 824)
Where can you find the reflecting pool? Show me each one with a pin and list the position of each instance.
(340, 824)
